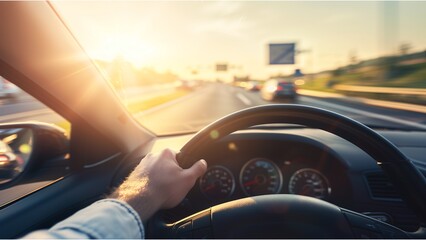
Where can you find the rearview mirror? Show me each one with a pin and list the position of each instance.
(24, 146)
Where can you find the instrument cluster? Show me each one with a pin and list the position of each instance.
(260, 176)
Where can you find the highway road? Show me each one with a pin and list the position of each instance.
(212, 101)
(26, 108)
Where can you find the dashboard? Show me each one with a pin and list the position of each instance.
(246, 168)
(301, 161)
(251, 164)
(262, 176)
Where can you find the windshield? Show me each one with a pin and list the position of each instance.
(178, 66)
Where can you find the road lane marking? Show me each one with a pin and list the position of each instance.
(244, 99)
(373, 115)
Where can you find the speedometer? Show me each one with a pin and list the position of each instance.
(309, 182)
(260, 176)
(217, 183)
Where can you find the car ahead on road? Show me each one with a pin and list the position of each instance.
(275, 171)
(187, 85)
(253, 86)
(7, 89)
(279, 88)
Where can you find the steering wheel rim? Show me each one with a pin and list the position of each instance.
(402, 173)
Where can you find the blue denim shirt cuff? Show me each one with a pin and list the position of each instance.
(108, 218)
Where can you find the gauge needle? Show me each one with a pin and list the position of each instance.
(210, 187)
(250, 183)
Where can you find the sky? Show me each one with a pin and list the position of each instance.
(190, 37)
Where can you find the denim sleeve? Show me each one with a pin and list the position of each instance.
(108, 218)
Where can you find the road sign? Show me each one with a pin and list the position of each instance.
(221, 67)
(281, 53)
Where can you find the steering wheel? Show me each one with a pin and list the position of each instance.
(293, 216)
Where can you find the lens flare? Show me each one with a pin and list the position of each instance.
(25, 148)
(214, 134)
(232, 146)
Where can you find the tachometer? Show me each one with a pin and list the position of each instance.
(309, 182)
(260, 176)
(217, 183)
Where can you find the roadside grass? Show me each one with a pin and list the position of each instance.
(410, 76)
(413, 76)
(155, 101)
(319, 84)
(323, 85)
(138, 106)
(414, 80)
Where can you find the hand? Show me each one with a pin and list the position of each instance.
(158, 182)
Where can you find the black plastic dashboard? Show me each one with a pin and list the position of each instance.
(307, 162)
(251, 164)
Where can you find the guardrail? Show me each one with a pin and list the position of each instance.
(388, 90)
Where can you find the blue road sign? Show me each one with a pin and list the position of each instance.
(281, 53)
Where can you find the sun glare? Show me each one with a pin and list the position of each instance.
(127, 47)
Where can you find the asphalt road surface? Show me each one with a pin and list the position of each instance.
(213, 101)
(26, 108)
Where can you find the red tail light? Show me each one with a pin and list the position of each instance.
(279, 88)
(4, 159)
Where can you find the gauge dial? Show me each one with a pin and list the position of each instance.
(309, 182)
(260, 176)
(217, 183)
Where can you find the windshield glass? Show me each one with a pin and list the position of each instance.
(178, 65)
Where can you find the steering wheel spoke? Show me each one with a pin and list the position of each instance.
(196, 226)
(277, 216)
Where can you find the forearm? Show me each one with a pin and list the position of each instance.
(108, 218)
(158, 182)
(136, 193)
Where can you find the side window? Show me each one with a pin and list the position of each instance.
(18, 106)
(23, 121)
